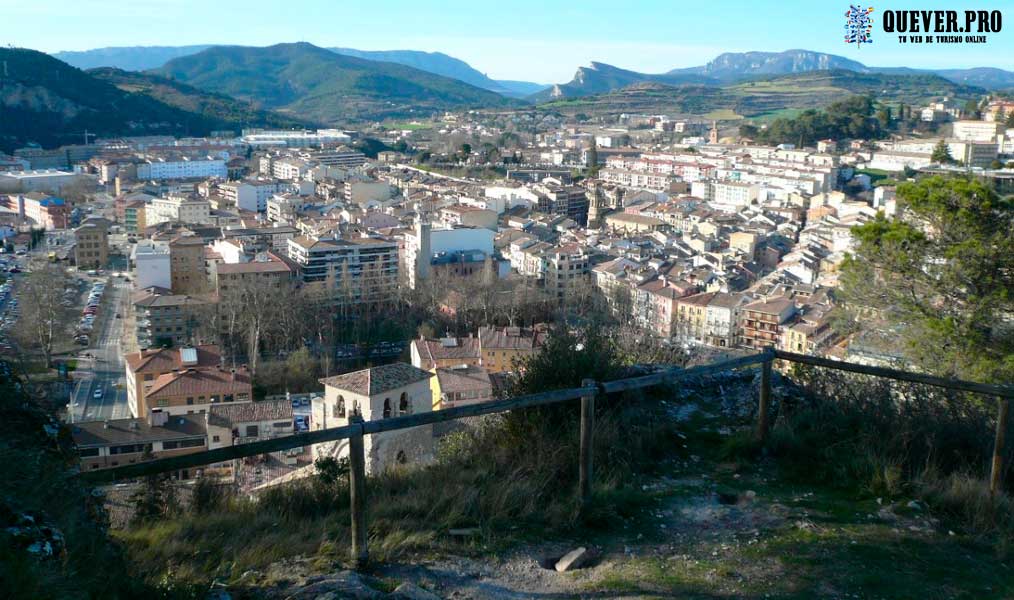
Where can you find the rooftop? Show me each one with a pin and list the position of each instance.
(377, 380)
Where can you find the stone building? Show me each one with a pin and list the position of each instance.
(378, 393)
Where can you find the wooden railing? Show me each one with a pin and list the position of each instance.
(357, 428)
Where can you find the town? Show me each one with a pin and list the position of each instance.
(169, 294)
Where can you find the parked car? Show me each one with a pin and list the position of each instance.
(98, 394)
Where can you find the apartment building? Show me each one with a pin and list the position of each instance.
(570, 201)
(91, 244)
(42, 210)
(144, 367)
(194, 390)
(763, 320)
(164, 319)
(183, 168)
(186, 264)
(177, 208)
(354, 270)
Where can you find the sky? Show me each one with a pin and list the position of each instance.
(543, 41)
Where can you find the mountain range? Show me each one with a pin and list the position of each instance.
(143, 58)
(597, 78)
(734, 67)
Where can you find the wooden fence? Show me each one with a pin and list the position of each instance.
(357, 428)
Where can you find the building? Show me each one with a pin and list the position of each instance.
(633, 223)
(91, 244)
(445, 352)
(762, 321)
(978, 131)
(177, 208)
(107, 444)
(151, 265)
(460, 215)
(354, 270)
(378, 393)
(570, 201)
(186, 265)
(184, 168)
(45, 180)
(43, 210)
(448, 249)
(229, 280)
(146, 366)
(294, 138)
(367, 193)
(252, 194)
(165, 319)
(460, 385)
(193, 390)
(242, 423)
(502, 348)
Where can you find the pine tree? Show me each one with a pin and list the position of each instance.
(942, 153)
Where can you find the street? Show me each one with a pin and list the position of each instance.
(105, 370)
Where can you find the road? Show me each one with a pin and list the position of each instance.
(105, 371)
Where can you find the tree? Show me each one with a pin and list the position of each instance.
(942, 153)
(43, 317)
(884, 116)
(971, 110)
(941, 276)
(1010, 119)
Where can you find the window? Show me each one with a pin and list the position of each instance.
(404, 407)
(214, 438)
(387, 408)
(339, 408)
(190, 401)
(251, 431)
(85, 452)
(402, 459)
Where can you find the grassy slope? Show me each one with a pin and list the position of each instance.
(660, 530)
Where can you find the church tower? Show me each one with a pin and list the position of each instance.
(713, 135)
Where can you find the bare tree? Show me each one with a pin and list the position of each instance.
(43, 317)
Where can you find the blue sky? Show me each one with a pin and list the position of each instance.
(541, 41)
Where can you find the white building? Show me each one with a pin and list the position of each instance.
(182, 169)
(442, 242)
(294, 138)
(978, 131)
(181, 209)
(151, 265)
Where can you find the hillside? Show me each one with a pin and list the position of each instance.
(762, 96)
(185, 97)
(128, 58)
(315, 83)
(601, 78)
(51, 103)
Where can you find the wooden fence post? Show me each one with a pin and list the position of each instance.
(765, 400)
(357, 493)
(585, 460)
(996, 474)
